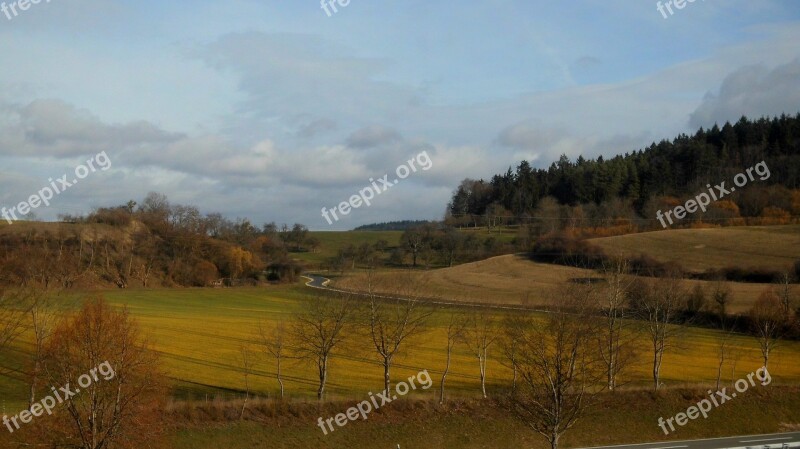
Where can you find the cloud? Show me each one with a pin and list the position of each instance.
(531, 136)
(316, 127)
(753, 91)
(53, 128)
(373, 136)
(294, 74)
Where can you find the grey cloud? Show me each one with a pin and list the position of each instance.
(52, 128)
(753, 91)
(316, 127)
(531, 136)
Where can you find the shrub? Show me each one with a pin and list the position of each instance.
(645, 265)
(756, 275)
(563, 249)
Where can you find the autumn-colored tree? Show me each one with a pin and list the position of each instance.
(204, 273)
(100, 355)
(238, 262)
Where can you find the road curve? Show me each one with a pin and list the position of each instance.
(317, 281)
(321, 283)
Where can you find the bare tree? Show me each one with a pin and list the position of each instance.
(480, 335)
(455, 334)
(722, 296)
(390, 322)
(784, 292)
(417, 242)
(724, 350)
(559, 368)
(512, 335)
(43, 315)
(768, 321)
(13, 310)
(275, 345)
(320, 329)
(659, 309)
(615, 349)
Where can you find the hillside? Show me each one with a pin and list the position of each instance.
(772, 247)
(515, 280)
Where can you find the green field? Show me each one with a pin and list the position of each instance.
(331, 242)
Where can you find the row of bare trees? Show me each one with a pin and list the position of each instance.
(624, 312)
(592, 334)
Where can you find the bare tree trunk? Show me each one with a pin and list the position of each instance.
(482, 363)
(657, 368)
(323, 376)
(280, 379)
(34, 381)
(444, 374)
(246, 364)
(387, 361)
(554, 440)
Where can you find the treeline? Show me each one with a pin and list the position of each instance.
(393, 225)
(627, 190)
(566, 248)
(154, 243)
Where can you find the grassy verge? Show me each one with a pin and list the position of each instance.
(627, 417)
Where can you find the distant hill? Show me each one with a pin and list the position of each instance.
(157, 245)
(632, 187)
(393, 225)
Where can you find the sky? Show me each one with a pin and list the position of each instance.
(272, 110)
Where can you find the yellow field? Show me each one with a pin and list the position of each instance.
(199, 332)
